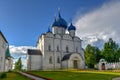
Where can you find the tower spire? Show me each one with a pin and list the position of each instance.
(59, 12)
(55, 17)
(70, 20)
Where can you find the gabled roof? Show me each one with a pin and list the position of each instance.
(3, 37)
(34, 52)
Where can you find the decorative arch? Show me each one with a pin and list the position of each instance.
(57, 36)
(76, 61)
(102, 64)
(67, 36)
(77, 39)
(49, 35)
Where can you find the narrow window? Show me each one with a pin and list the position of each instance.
(76, 49)
(58, 59)
(49, 48)
(50, 60)
(56, 30)
(67, 49)
(57, 48)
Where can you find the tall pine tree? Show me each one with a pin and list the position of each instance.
(18, 64)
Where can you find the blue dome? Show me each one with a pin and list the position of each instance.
(71, 27)
(60, 22)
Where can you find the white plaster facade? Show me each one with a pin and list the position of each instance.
(2, 53)
(8, 64)
(35, 62)
(58, 50)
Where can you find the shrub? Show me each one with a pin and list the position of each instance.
(9, 71)
(3, 75)
(109, 69)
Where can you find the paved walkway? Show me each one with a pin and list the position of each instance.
(118, 78)
(30, 76)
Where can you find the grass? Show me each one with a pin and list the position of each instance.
(77, 75)
(14, 76)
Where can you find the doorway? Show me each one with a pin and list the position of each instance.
(75, 64)
(103, 66)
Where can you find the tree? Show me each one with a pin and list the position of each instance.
(98, 54)
(92, 55)
(89, 56)
(18, 64)
(117, 55)
(110, 51)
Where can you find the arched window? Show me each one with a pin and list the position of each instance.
(58, 59)
(57, 48)
(49, 48)
(50, 59)
(67, 49)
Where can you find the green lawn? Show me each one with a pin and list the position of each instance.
(77, 75)
(15, 76)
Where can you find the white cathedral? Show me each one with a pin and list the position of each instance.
(57, 49)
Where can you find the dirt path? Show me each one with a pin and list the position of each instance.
(118, 78)
(30, 76)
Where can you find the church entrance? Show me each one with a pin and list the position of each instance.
(75, 64)
(103, 66)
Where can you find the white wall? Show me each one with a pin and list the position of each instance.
(72, 33)
(2, 54)
(112, 65)
(34, 62)
(46, 63)
(65, 64)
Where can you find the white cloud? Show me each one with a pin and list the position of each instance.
(20, 51)
(103, 22)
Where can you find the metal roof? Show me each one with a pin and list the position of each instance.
(34, 52)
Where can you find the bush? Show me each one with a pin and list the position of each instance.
(3, 75)
(109, 69)
(9, 71)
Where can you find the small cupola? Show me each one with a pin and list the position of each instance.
(71, 30)
(71, 27)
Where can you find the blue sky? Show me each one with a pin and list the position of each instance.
(23, 21)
